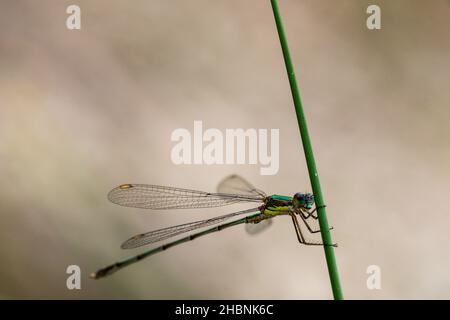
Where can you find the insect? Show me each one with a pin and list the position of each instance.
(231, 190)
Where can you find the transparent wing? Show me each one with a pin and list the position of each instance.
(255, 228)
(159, 197)
(165, 233)
(237, 184)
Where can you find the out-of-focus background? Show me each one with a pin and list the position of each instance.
(83, 111)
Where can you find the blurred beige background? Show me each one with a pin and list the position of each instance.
(83, 111)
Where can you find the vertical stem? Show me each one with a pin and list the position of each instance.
(307, 147)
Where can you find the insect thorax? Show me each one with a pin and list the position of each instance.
(277, 203)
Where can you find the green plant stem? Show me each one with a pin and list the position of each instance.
(307, 147)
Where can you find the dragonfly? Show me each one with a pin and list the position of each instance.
(232, 190)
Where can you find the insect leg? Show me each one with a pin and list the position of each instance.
(310, 229)
(306, 214)
(300, 236)
(310, 213)
(297, 232)
(315, 231)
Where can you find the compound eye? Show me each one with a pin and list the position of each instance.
(299, 196)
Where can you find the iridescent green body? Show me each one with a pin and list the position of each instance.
(277, 205)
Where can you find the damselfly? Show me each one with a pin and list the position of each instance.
(231, 190)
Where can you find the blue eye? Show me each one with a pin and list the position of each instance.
(303, 200)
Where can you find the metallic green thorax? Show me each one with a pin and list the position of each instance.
(279, 197)
(277, 204)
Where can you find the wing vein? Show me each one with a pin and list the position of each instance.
(160, 197)
(165, 233)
